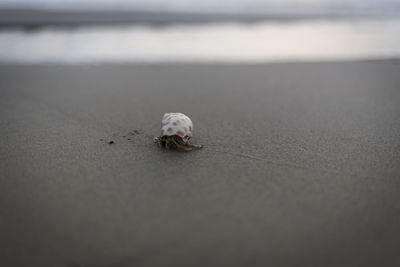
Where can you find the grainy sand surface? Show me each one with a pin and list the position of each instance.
(301, 165)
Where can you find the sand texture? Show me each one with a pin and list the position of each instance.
(301, 165)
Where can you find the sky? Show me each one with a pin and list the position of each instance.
(238, 5)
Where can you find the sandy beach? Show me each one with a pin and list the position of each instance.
(300, 167)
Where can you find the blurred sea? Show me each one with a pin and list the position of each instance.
(229, 41)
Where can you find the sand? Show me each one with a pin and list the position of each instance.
(300, 167)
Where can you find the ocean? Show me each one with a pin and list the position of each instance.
(228, 41)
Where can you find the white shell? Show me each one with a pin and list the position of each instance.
(177, 124)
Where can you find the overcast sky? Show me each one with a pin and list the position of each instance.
(193, 4)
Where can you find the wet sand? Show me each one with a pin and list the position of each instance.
(300, 167)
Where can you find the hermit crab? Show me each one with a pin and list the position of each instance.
(176, 130)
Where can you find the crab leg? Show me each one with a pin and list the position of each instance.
(180, 146)
(195, 146)
(179, 140)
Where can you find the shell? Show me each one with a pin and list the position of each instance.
(177, 124)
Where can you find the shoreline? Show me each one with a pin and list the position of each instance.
(392, 60)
